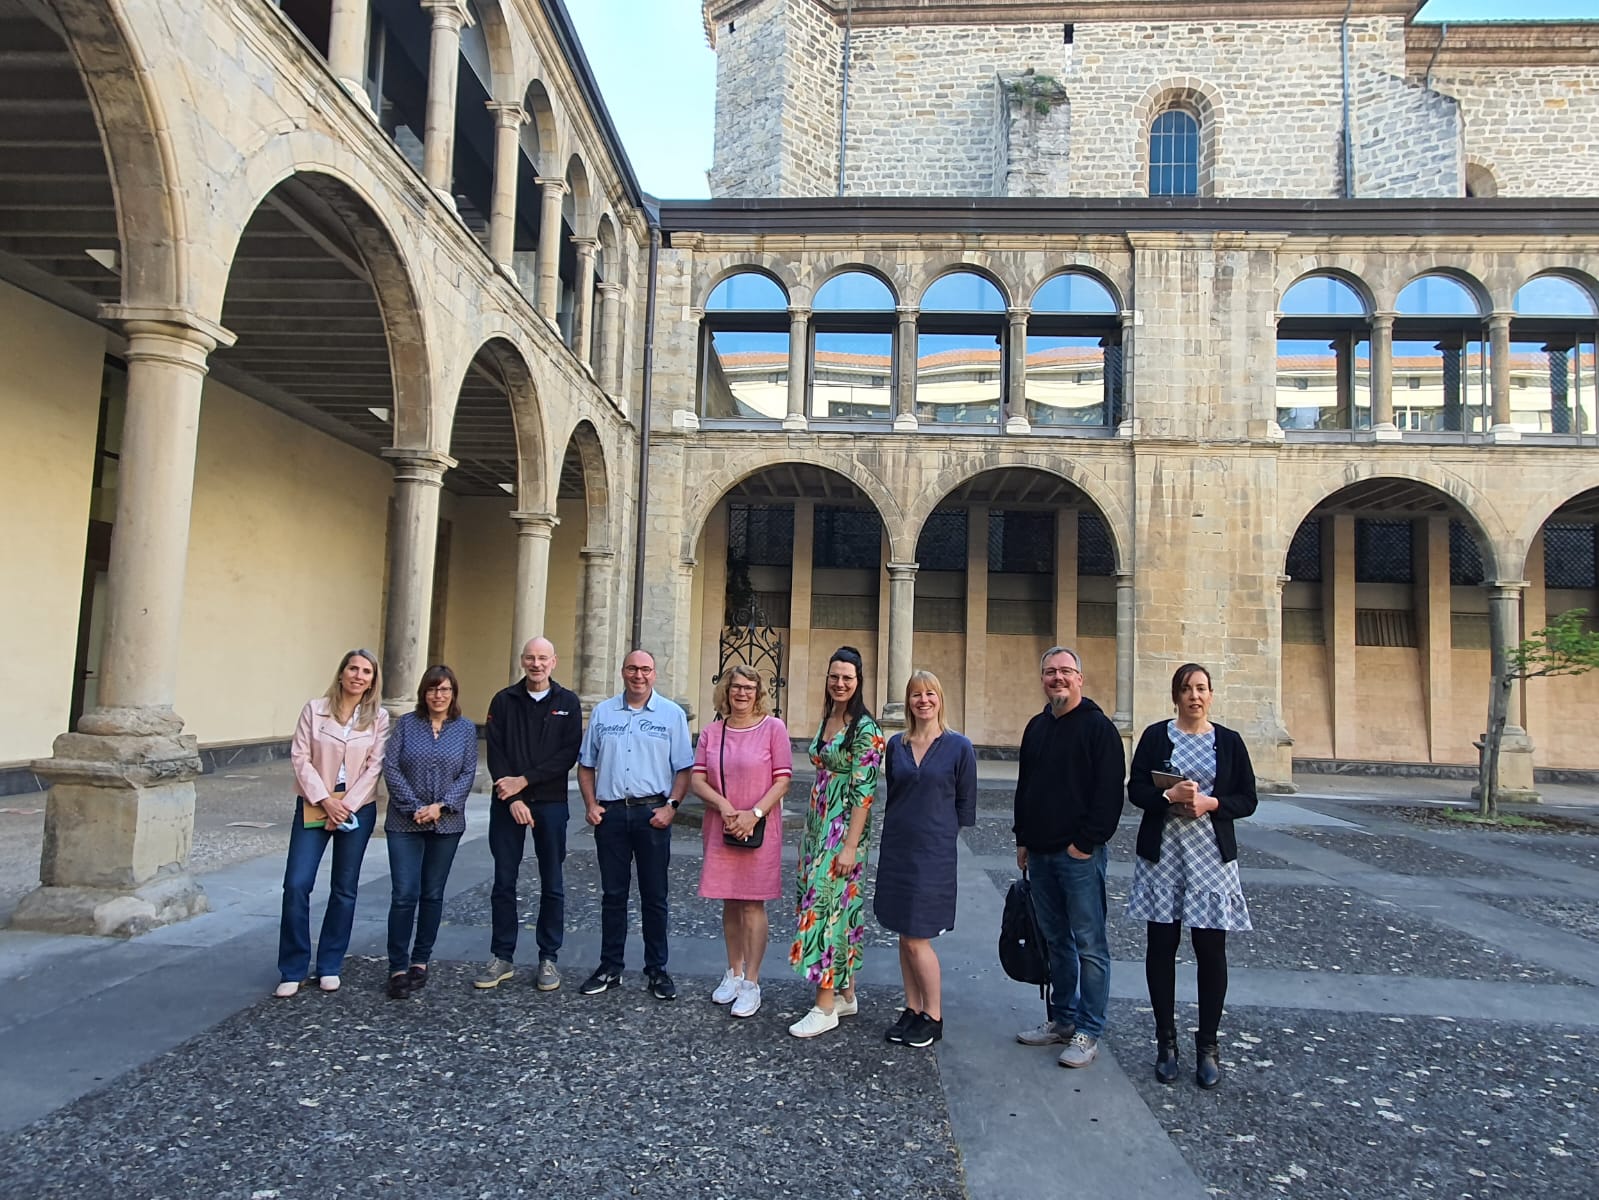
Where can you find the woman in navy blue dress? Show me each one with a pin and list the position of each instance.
(932, 792)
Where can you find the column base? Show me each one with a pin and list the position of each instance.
(795, 423)
(1386, 432)
(1018, 425)
(1516, 784)
(1504, 433)
(892, 717)
(108, 912)
(906, 423)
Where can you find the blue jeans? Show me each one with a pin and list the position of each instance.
(419, 864)
(624, 836)
(299, 877)
(1069, 898)
(506, 842)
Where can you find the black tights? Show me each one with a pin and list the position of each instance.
(1160, 970)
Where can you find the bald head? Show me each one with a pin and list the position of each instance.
(538, 662)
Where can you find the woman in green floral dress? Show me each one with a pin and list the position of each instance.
(847, 754)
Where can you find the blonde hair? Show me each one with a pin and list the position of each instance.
(366, 709)
(719, 700)
(927, 681)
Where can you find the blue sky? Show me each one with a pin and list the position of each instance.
(659, 76)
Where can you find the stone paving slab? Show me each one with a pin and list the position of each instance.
(992, 836)
(464, 1094)
(1580, 917)
(1326, 1106)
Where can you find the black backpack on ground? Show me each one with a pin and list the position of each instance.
(1022, 951)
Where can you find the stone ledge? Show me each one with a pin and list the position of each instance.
(1416, 770)
(106, 912)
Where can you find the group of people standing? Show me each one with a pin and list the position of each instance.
(636, 763)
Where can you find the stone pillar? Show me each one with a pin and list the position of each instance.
(1432, 602)
(508, 122)
(1382, 378)
(1535, 615)
(1123, 716)
(119, 820)
(1501, 428)
(583, 306)
(901, 634)
(548, 303)
(533, 533)
(1014, 410)
(1515, 748)
(444, 63)
(1126, 421)
(347, 30)
(799, 702)
(799, 323)
(413, 540)
(905, 371)
(1066, 581)
(1454, 377)
(594, 623)
(611, 338)
(1338, 626)
(976, 715)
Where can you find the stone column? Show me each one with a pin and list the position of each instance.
(1500, 429)
(1535, 615)
(508, 122)
(901, 633)
(1382, 378)
(413, 539)
(799, 324)
(548, 303)
(119, 820)
(533, 533)
(1434, 622)
(1066, 580)
(1123, 717)
(594, 623)
(347, 29)
(1338, 626)
(1515, 748)
(611, 338)
(444, 62)
(1014, 409)
(583, 306)
(905, 371)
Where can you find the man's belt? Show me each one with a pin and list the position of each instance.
(654, 801)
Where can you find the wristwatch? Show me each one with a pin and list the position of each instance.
(757, 811)
(674, 804)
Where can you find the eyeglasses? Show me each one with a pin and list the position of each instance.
(743, 687)
(1053, 672)
(638, 670)
(442, 689)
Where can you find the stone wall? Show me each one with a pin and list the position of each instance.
(1535, 128)
(1034, 142)
(1407, 140)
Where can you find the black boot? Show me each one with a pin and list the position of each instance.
(1207, 1071)
(1166, 1056)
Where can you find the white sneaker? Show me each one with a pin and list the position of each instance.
(328, 983)
(846, 1006)
(749, 999)
(727, 991)
(286, 989)
(814, 1022)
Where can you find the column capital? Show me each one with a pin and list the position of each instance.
(1499, 319)
(596, 553)
(535, 524)
(169, 321)
(449, 13)
(906, 312)
(1123, 578)
(613, 289)
(589, 244)
(508, 114)
(1384, 319)
(1016, 315)
(551, 183)
(799, 312)
(418, 466)
(1505, 589)
(902, 570)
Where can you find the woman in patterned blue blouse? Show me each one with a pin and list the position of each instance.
(1193, 779)
(429, 768)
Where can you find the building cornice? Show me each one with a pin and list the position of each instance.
(1498, 44)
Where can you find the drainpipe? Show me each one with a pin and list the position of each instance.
(843, 99)
(1443, 36)
(652, 214)
(1349, 141)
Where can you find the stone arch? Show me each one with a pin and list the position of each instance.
(540, 137)
(350, 193)
(496, 32)
(1584, 279)
(582, 194)
(1029, 287)
(969, 468)
(1341, 274)
(1193, 95)
(853, 266)
(1479, 290)
(505, 349)
(585, 441)
(1481, 183)
(778, 269)
(1547, 506)
(937, 269)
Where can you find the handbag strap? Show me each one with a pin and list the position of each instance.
(721, 756)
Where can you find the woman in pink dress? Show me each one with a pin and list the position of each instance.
(741, 770)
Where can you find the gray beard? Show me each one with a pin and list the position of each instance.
(1057, 706)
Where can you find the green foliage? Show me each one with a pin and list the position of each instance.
(1564, 647)
(1038, 92)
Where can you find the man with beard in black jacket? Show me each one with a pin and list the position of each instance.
(535, 731)
(1069, 788)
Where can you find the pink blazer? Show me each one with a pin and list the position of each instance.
(319, 746)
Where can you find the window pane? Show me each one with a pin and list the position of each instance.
(854, 291)
(1322, 296)
(1437, 296)
(745, 292)
(1441, 386)
(941, 545)
(746, 375)
(1174, 155)
(962, 292)
(1073, 292)
(1382, 552)
(1552, 296)
(852, 375)
(958, 378)
(1551, 386)
(1066, 380)
(1324, 383)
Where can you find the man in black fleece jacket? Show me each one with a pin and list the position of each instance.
(535, 729)
(1069, 788)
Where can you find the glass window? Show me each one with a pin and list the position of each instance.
(852, 349)
(1440, 363)
(744, 350)
(1553, 296)
(1323, 357)
(963, 292)
(1174, 154)
(960, 352)
(1322, 296)
(1074, 357)
(746, 292)
(1437, 296)
(1073, 292)
(1552, 353)
(853, 291)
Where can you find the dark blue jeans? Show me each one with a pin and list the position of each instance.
(1069, 898)
(623, 837)
(506, 842)
(299, 877)
(419, 865)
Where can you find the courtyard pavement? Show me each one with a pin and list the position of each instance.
(1416, 1014)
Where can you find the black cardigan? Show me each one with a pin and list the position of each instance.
(1234, 790)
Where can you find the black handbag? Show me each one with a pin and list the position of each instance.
(758, 834)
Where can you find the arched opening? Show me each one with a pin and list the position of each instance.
(536, 142)
(582, 615)
(1074, 375)
(472, 170)
(1552, 358)
(1480, 182)
(1323, 356)
(1562, 573)
(576, 223)
(852, 349)
(960, 352)
(1385, 626)
(744, 350)
(1440, 358)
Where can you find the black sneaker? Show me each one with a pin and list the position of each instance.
(661, 985)
(924, 1032)
(897, 1031)
(601, 981)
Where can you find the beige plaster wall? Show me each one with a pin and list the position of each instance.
(1564, 741)
(285, 569)
(50, 369)
(944, 654)
(1390, 705)
(1306, 700)
(482, 582)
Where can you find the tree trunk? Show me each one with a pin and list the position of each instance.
(1488, 769)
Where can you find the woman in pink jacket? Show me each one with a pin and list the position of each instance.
(338, 756)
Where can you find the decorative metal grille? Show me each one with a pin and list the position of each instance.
(754, 645)
(942, 544)
(1465, 557)
(1021, 542)
(848, 539)
(1304, 553)
(1385, 627)
(1095, 553)
(760, 535)
(940, 614)
(1568, 556)
(1096, 619)
(1383, 555)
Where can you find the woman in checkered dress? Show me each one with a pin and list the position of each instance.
(1187, 867)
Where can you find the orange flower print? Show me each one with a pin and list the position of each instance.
(827, 979)
(794, 955)
(807, 921)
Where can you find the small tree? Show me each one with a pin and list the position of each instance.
(1563, 647)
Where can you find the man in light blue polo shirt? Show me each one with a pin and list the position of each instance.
(633, 771)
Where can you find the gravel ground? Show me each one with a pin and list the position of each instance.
(461, 1094)
(1321, 1106)
(992, 836)
(1404, 855)
(1580, 917)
